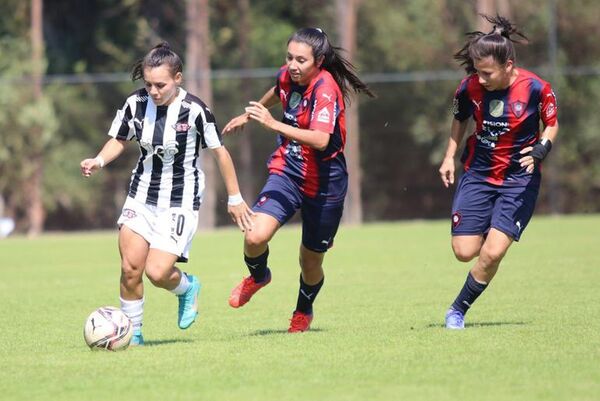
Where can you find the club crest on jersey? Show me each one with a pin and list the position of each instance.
(456, 218)
(550, 110)
(295, 100)
(496, 108)
(518, 108)
(181, 127)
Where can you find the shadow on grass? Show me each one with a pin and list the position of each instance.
(152, 343)
(278, 331)
(481, 324)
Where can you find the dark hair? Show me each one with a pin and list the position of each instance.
(157, 56)
(498, 43)
(341, 69)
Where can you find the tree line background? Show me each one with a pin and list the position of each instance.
(64, 70)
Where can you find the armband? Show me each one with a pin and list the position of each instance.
(235, 200)
(541, 149)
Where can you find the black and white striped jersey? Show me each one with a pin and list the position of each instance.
(167, 173)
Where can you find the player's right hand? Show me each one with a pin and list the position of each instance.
(236, 123)
(89, 166)
(447, 171)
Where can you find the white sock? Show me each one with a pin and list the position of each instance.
(134, 311)
(183, 285)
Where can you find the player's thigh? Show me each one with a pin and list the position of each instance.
(320, 224)
(133, 249)
(514, 209)
(472, 207)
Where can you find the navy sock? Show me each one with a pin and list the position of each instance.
(307, 295)
(257, 266)
(469, 293)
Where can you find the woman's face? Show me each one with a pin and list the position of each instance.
(161, 85)
(301, 63)
(493, 76)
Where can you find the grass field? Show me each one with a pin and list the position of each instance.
(377, 333)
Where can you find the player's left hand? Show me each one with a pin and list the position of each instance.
(527, 161)
(242, 216)
(260, 113)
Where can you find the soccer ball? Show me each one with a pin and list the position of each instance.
(107, 328)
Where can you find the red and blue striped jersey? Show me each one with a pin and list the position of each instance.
(506, 121)
(319, 106)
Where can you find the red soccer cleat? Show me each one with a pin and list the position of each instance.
(242, 293)
(300, 322)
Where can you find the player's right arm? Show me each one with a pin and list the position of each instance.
(111, 150)
(269, 99)
(457, 133)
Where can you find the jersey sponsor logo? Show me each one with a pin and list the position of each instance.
(181, 127)
(550, 110)
(491, 131)
(324, 116)
(518, 108)
(455, 108)
(496, 108)
(295, 100)
(165, 152)
(294, 150)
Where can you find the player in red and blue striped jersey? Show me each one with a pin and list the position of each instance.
(307, 171)
(496, 195)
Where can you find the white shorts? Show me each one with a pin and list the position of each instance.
(167, 229)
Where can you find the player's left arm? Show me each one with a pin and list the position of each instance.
(236, 207)
(548, 112)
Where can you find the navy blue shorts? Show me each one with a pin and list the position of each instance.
(281, 198)
(479, 206)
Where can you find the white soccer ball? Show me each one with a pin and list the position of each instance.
(108, 328)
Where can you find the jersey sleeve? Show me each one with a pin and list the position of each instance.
(461, 104)
(548, 106)
(122, 127)
(206, 125)
(325, 109)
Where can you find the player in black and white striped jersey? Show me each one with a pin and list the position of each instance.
(160, 215)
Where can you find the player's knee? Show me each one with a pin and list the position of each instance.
(491, 255)
(464, 253)
(131, 271)
(156, 273)
(255, 239)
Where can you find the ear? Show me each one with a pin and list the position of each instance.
(178, 78)
(319, 62)
(509, 65)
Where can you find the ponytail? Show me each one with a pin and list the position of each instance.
(343, 72)
(498, 43)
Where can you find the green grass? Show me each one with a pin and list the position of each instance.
(377, 333)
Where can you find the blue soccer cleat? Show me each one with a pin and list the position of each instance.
(455, 320)
(188, 304)
(137, 338)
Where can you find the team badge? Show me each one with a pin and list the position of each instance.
(263, 199)
(295, 100)
(518, 108)
(496, 108)
(456, 218)
(181, 127)
(129, 213)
